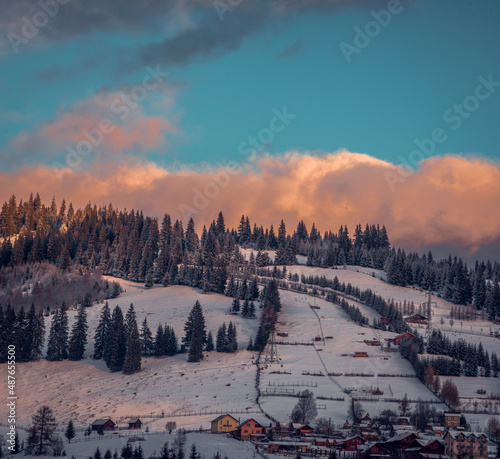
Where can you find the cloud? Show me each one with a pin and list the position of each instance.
(128, 130)
(448, 202)
(188, 28)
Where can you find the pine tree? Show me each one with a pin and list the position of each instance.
(251, 310)
(34, 334)
(221, 339)
(147, 342)
(195, 328)
(102, 333)
(193, 454)
(235, 306)
(170, 341)
(232, 343)
(272, 296)
(132, 362)
(78, 339)
(210, 342)
(159, 341)
(70, 431)
(20, 340)
(196, 315)
(119, 341)
(245, 310)
(130, 319)
(57, 348)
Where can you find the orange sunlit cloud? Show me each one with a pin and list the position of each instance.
(447, 200)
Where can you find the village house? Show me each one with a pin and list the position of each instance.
(249, 430)
(404, 335)
(399, 420)
(135, 423)
(279, 429)
(346, 425)
(460, 444)
(352, 443)
(374, 451)
(400, 442)
(103, 424)
(451, 419)
(424, 449)
(302, 429)
(417, 319)
(223, 424)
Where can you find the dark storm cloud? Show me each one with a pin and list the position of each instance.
(186, 29)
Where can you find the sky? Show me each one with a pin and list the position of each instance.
(330, 111)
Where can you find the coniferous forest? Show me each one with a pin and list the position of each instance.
(130, 245)
(54, 255)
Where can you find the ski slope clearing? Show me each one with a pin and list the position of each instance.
(328, 366)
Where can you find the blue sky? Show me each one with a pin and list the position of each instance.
(397, 89)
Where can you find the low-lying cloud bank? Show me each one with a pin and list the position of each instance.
(449, 201)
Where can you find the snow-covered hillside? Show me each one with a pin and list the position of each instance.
(316, 349)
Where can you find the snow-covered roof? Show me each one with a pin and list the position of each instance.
(222, 416)
(401, 436)
(101, 422)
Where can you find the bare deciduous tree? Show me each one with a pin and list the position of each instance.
(305, 410)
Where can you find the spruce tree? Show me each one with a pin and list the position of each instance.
(34, 334)
(170, 341)
(232, 343)
(132, 362)
(195, 329)
(221, 339)
(21, 340)
(272, 296)
(57, 348)
(70, 431)
(245, 310)
(251, 311)
(130, 319)
(119, 341)
(78, 339)
(235, 307)
(147, 342)
(159, 341)
(102, 332)
(210, 342)
(195, 320)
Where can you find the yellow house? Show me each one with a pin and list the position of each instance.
(224, 423)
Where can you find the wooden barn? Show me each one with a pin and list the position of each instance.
(104, 424)
(404, 335)
(135, 423)
(417, 319)
(351, 444)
